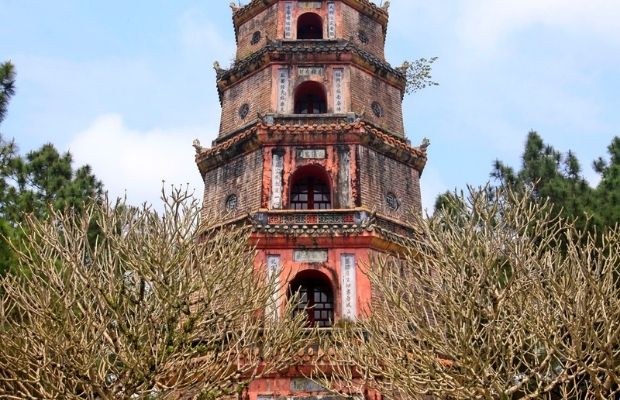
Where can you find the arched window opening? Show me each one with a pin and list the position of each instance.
(310, 190)
(316, 299)
(310, 98)
(309, 26)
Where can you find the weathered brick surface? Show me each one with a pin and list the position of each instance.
(241, 177)
(353, 23)
(367, 88)
(379, 175)
(255, 91)
(358, 176)
(333, 164)
(266, 23)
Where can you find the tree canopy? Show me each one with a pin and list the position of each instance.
(41, 180)
(549, 175)
(7, 86)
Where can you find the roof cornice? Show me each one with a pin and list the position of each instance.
(359, 131)
(278, 51)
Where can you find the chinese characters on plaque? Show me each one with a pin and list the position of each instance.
(283, 82)
(273, 274)
(331, 20)
(338, 95)
(310, 256)
(288, 20)
(348, 288)
(309, 4)
(277, 165)
(311, 154)
(306, 71)
(345, 178)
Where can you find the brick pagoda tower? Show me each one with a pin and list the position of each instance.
(312, 152)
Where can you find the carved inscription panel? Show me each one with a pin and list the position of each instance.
(338, 90)
(283, 90)
(348, 288)
(288, 20)
(277, 165)
(310, 256)
(273, 273)
(331, 20)
(311, 154)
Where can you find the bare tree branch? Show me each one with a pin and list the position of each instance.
(155, 306)
(498, 301)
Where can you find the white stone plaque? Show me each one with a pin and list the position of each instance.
(311, 154)
(331, 20)
(273, 274)
(305, 385)
(348, 288)
(345, 189)
(310, 256)
(277, 165)
(288, 20)
(310, 4)
(307, 71)
(338, 92)
(283, 84)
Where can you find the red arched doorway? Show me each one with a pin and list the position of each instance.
(316, 297)
(310, 98)
(310, 189)
(309, 26)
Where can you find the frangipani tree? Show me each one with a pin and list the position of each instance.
(500, 300)
(156, 306)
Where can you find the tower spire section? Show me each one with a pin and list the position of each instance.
(312, 153)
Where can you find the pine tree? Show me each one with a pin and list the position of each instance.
(551, 176)
(8, 153)
(7, 86)
(608, 189)
(30, 185)
(548, 175)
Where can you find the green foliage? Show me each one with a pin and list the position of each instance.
(46, 178)
(31, 184)
(42, 180)
(608, 190)
(7, 86)
(549, 175)
(418, 74)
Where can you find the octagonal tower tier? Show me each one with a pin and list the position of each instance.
(312, 153)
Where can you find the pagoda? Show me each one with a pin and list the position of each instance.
(312, 153)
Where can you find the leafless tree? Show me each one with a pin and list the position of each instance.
(496, 299)
(126, 303)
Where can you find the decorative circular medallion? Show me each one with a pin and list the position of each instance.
(255, 38)
(377, 109)
(392, 201)
(231, 202)
(363, 37)
(244, 110)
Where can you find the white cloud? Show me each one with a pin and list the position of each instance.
(135, 162)
(199, 36)
(431, 185)
(486, 22)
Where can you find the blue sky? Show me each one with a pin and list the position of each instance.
(127, 85)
